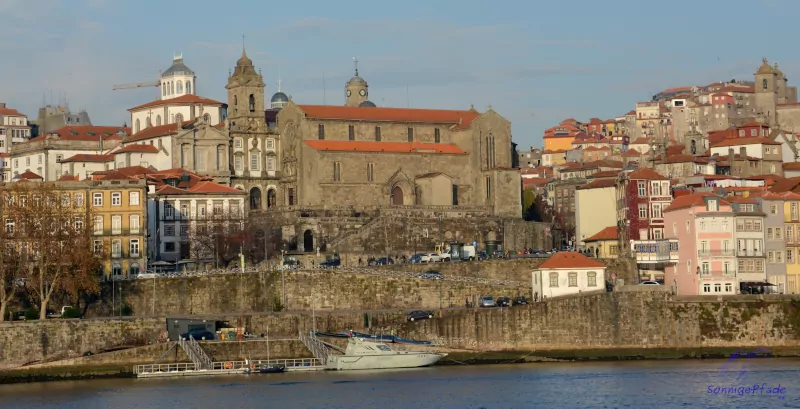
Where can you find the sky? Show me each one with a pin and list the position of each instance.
(534, 62)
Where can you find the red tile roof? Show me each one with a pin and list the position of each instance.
(181, 100)
(753, 140)
(570, 259)
(695, 199)
(389, 147)
(645, 174)
(598, 184)
(130, 171)
(609, 233)
(86, 133)
(791, 166)
(30, 175)
(531, 182)
(85, 157)
(630, 153)
(785, 185)
(67, 178)
(156, 131)
(460, 119)
(605, 174)
(137, 148)
(10, 112)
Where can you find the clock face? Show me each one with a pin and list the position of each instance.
(363, 92)
(348, 92)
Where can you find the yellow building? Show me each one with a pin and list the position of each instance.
(791, 218)
(118, 208)
(604, 244)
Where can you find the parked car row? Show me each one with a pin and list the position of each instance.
(488, 301)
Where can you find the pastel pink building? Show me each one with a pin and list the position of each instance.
(704, 225)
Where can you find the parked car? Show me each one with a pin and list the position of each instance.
(503, 302)
(487, 301)
(198, 335)
(383, 261)
(331, 262)
(520, 301)
(431, 275)
(419, 315)
(416, 258)
(432, 258)
(649, 283)
(445, 257)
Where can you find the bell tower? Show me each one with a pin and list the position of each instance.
(766, 95)
(245, 91)
(356, 90)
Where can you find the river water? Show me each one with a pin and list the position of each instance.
(636, 385)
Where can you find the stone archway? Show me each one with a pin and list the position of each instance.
(397, 196)
(271, 198)
(308, 241)
(255, 198)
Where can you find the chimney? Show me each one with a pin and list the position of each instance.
(730, 157)
(743, 152)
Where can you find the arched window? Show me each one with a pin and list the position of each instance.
(207, 118)
(252, 103)
(188, 87)
(158, 120)
(163, 90)
(180, 87)
(136, 126)
(235, 103)
(694, 147)
(171, 87)
(178, 118)
(134, 269)
(764, 83)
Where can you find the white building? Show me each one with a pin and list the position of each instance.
(14, 128)
(568, 273)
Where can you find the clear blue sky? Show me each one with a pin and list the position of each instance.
(535, 62)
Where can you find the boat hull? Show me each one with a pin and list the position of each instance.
(359, 362)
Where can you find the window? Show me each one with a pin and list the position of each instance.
(270, 144)
(28, 161)
(592, 279)
(790, 234)
(488, 181)
(116, 199)
(778, 233)
(134, 248)
(370, 168)
(573, 279)
(642, 189)
(116, 248)
(436, 137)
(9, 226)
(455, 195)
(237, 143)
(97, 199)
(169, 230)
(98, 225)
(728, 288)
(554, 279)
(779, 257)
(656, 188)
(116, 224)
(134, 224)
(337, 169)
(290, 197)
(184, 211)
(134, 270)
(65, 199)
(705, 268)
(184, 230)
(169, 247)
(717, 287)
(706, 288)
(253, 161)
(410, 134)
(169, 211)
(97, 246)
(201, 211)
(726, 268)
(790, 256)
(724, 226)
(642, 211)
(201, 161)
(133, 199)
(237, 163)
(770, 257)
(252, 103)
(377, 133)
(656, 210)
(712, 205)
(270, 163)
(351, 133)
(321, 132)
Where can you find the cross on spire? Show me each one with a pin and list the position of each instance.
(355, 62)
(279, 84)
(242, 42)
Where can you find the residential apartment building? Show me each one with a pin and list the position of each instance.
(5, 168)
(14, 128)
(791, 218)
(595, 208)
(776, 242)
(568, 273)
(749, 235)
(704, 225)
(642, 194)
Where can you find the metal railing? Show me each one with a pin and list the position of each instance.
(750, 253)
(179, 367)
(317, 348)
(715, 253)
(227, 365)
(200, 358)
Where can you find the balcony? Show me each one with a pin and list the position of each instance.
(717, 273)
(664, 251)
(714, 253)
(749, 253)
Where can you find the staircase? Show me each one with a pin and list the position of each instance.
(321, 350)
(200, 358)
(365, 228)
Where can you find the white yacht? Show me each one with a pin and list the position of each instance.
(365, 354)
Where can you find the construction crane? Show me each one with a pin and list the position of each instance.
(137, 85)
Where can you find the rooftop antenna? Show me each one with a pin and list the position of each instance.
(242, 43)
(355, 63)
(324, 90)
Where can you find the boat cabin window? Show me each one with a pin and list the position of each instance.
(383, 348)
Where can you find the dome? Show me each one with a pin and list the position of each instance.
(777, 71)
(244, 60)
(356, 80)
(765, 68)
(367, 104)
(177, 68)
(279, 97)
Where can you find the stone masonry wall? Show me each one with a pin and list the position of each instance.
(624, 320)
(259, 292)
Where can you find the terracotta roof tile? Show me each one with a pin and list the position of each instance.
(605, 174)
(690, 200)
(744, 141)
(609, 233)
(570, 259)
(786, 185)
(30, 176)
(791, 166)
(183, 99)
(645, 174)
(630, 153)
(67, 178)
(156, 131)
(130, 171)
(459, 119)
(213, 187)
(531, 182)
(137, 148)
(598, 184)
(10, 112)
(86, 133)
(389, 147)
(85, 157)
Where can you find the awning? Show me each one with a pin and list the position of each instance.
(756, 284)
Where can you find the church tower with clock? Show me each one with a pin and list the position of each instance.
(356, 90)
